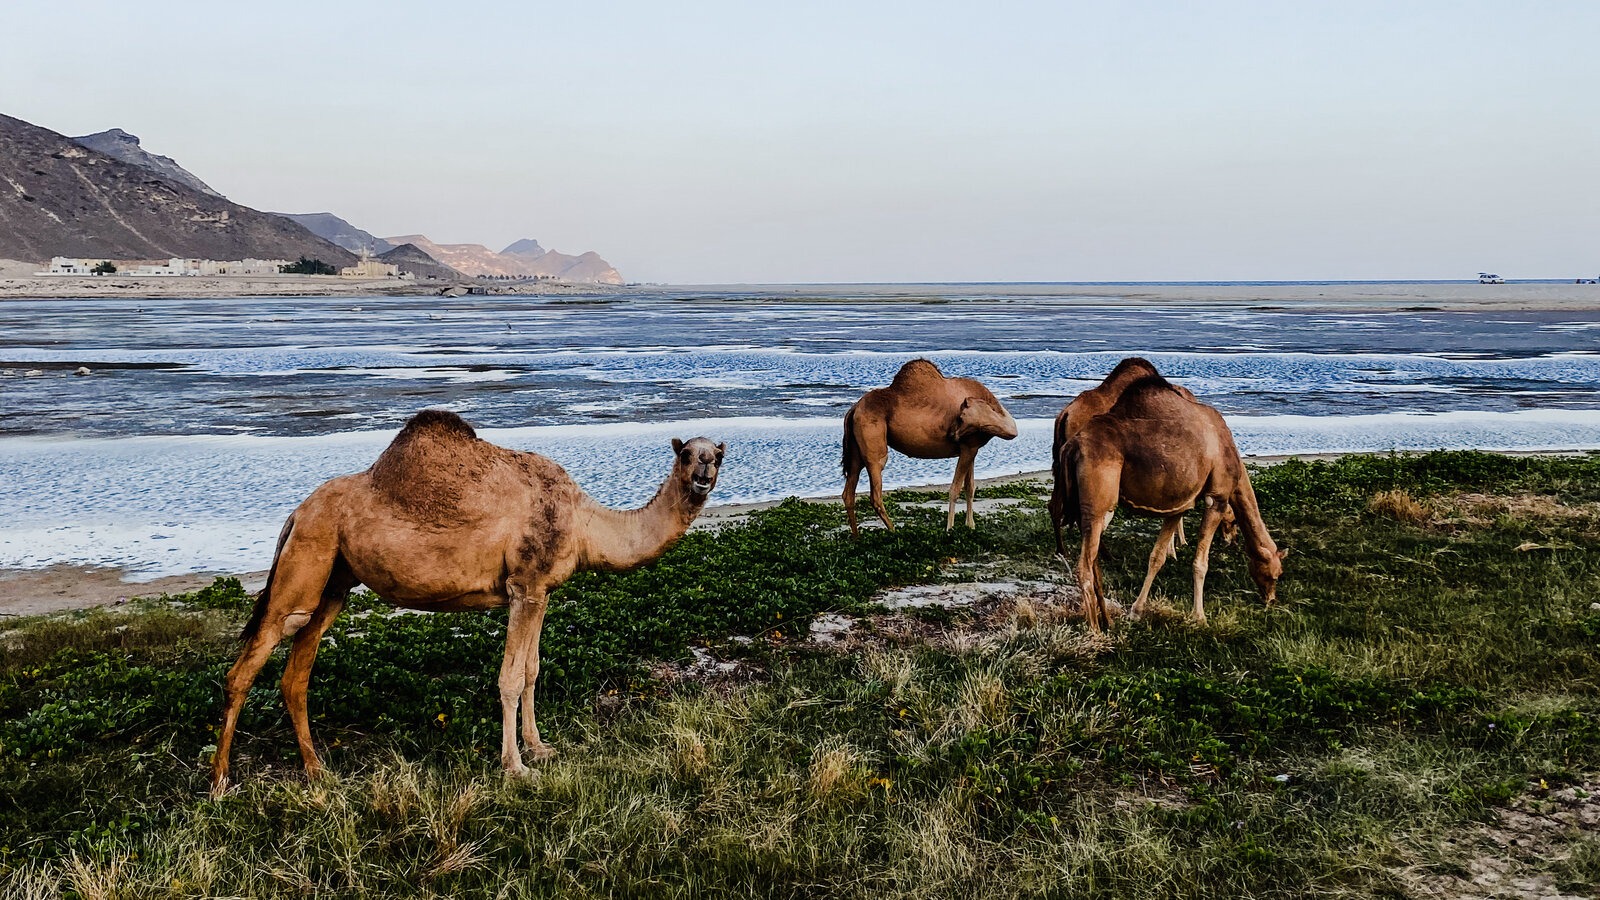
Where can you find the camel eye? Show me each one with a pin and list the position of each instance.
(685, 457)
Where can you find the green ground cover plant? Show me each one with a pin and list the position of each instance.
(1433, 669)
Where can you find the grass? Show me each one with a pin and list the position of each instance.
(1431, 675)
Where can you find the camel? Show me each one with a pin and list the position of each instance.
(444, 521)
(1093, 402)
(925, 415)
(1158, 451)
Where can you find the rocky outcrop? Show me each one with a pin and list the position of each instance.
(60, 198)
(523, 259)
(412, 260)
(332, 228)
(122, 146)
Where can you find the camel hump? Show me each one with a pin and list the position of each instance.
(1133, 366)
(432, 465)
(1145, 394)
(436, 422)
(915, 372)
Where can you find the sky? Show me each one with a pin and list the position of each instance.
(722, 142)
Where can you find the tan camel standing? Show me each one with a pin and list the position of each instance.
(1093, 402)
(925, 415)
(444, 521)
(1159, 452)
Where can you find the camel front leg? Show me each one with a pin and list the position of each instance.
(972, 487)
(1158, 557)
(956, 485)
(513, 674)
(297, 677)
(1202, 554)
(537, 748)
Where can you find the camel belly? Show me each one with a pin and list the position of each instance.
(416, 567)
(924, 446)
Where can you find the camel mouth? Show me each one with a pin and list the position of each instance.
(700, 485)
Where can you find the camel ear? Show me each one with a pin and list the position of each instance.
(721, 449)
(1283, 553)
(677, 446)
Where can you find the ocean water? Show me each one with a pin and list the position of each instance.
(205, 421)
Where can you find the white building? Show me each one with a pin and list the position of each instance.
(64, 265)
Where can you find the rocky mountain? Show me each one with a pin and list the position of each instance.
(525, 258)
(337, 230)
(411, 259)
(120, 145)
(61, 198)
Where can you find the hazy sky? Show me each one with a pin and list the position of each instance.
(874, 141)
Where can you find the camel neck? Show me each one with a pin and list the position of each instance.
(1247, 513)
(623, 539)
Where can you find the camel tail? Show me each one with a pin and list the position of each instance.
(852, 451)
(1067, 471)
(1057, 443)
(259, 614)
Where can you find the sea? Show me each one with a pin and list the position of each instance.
(203, 422)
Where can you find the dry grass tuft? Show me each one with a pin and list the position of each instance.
(1400, 506)
(838, 775)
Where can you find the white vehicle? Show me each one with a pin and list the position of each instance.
(1490, 278)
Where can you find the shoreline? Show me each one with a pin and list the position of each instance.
(67, 587)
(17, 283)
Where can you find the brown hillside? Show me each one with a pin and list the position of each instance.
(59, 198)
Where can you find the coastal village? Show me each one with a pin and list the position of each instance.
(367, 268)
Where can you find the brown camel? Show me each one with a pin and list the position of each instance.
(444, 521)
(924, 415)
(1093, 402)
(1158, 452)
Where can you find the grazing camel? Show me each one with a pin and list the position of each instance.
(924, 415)
(1093, 402)
(1159, 452)
(444, 521)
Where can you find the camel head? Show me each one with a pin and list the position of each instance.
(699, 460)
(1266, 568)
(981, 419)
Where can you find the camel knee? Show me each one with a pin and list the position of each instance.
(295, 621)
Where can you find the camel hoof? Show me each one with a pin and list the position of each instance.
(540, 752)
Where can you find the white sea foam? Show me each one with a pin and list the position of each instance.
(168, 505)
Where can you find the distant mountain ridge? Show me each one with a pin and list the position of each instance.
(61, 198)
(120, 145)
(330, 227)
(522, 258)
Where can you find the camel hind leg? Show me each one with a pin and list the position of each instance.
(288, 602)
(1090, 582)
(303, 655)
(875, 463)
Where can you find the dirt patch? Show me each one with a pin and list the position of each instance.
(35, 592)
(1511, 856)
